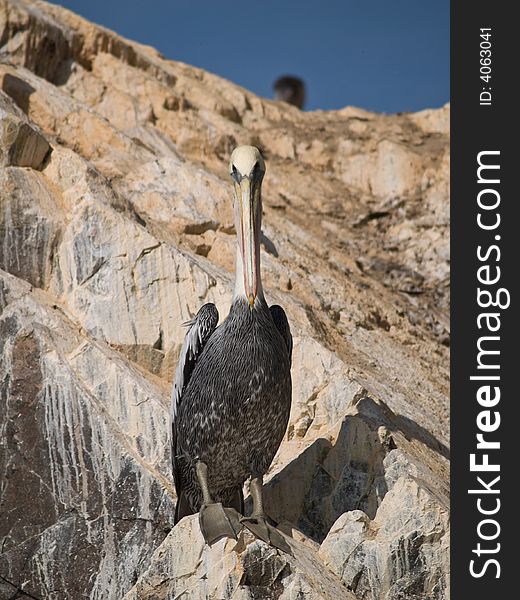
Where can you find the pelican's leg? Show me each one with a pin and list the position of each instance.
(215, 520)
(202, 475)
(256, 488)
(257, 522)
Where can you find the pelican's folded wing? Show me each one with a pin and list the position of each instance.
(282, 324)
(200, 329)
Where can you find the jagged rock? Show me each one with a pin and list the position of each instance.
(115, 226)
(30, 225)
(243, 569)
(85, 457)
(403, 552)
(21, 145)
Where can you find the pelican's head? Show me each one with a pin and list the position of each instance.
(247, 168)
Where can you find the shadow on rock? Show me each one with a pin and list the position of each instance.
(381, 415)
(327, 480)
(19, 90)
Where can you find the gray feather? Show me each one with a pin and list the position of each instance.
(234, 410)
(282, 324)
(199, 331)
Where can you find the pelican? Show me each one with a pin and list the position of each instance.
(231, 395)
(291, 90)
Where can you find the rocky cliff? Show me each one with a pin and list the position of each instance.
(115, 226)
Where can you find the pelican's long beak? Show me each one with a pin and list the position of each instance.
(248, 193)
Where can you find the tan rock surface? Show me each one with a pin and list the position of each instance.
(116, 225)
(242, 569)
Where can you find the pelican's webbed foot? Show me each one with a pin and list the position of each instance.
(217, 522)
(257, 522)
(260, 528)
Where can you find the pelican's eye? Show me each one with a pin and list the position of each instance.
(235, 174)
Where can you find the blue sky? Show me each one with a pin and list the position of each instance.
(384, 55)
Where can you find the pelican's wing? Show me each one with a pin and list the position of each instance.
(282, 324)
(200, 329)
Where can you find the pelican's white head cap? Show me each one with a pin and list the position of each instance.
(244, 159)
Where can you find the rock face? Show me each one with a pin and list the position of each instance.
(242, 569)
(115, 226)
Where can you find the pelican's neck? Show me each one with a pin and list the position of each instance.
(240, 290)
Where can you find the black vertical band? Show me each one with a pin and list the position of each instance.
(485, 256)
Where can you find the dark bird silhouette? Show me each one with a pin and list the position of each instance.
(291, 90)
(232, 392)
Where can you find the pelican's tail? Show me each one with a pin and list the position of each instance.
(237, 500)
(182, 508)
